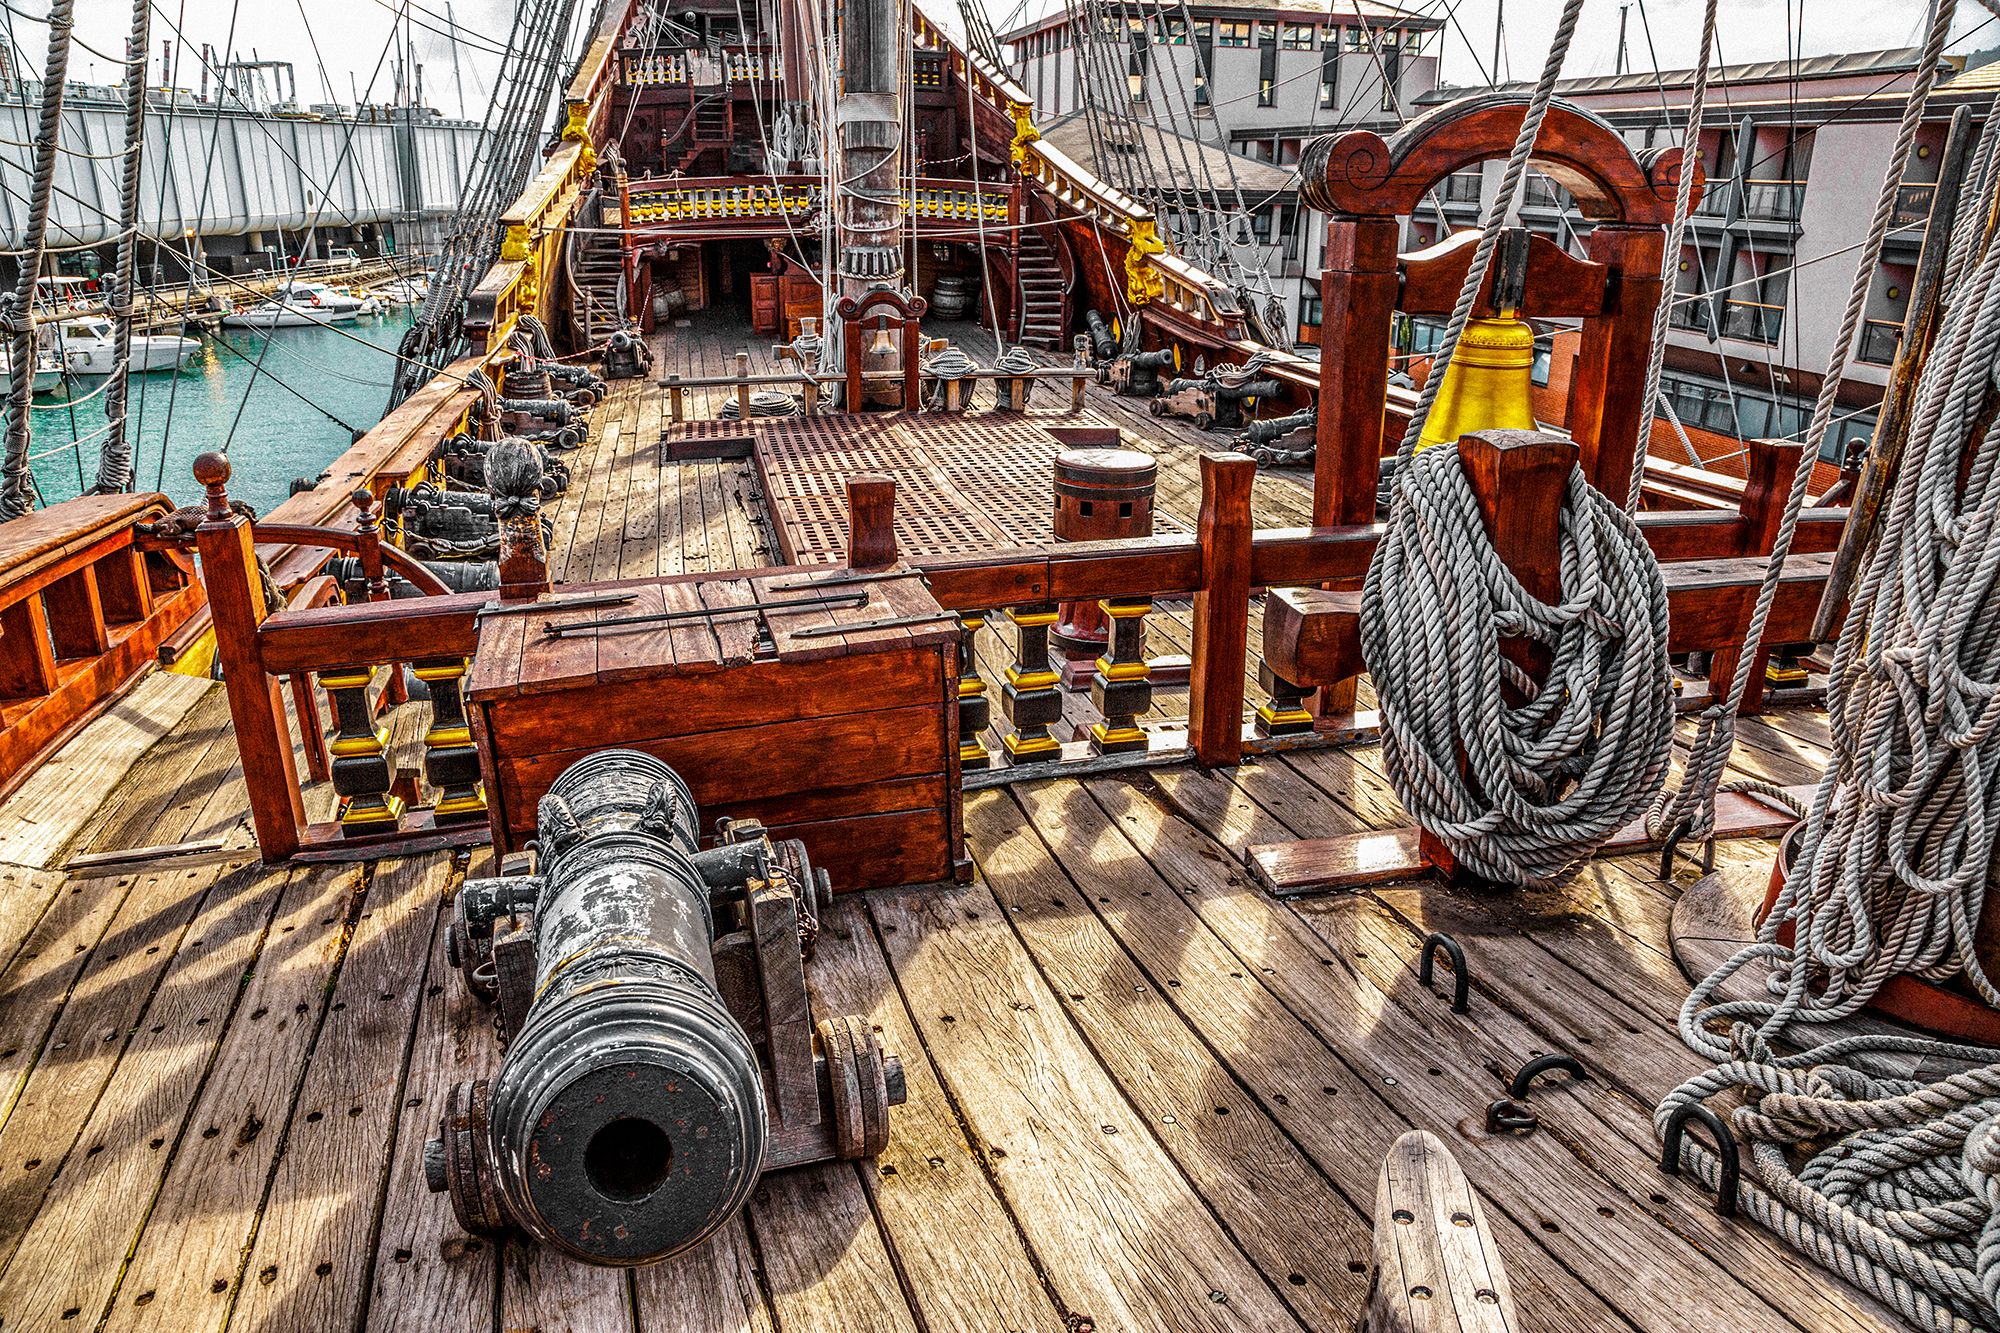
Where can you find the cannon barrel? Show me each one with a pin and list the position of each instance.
(1159, 359)
(458, 575)
(1236, 393)
(1276, 428)
(1102, 345)
(627, 1121)
(634, 1112)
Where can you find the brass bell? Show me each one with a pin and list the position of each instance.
(1487, 386)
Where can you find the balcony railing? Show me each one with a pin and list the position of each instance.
(1753, 321)
(1913, 204)
(1879, 339)
(724, 198)
(736, 64)
(1773, 201)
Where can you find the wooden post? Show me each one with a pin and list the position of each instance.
(1221, 610)
(1357, 303)
(1606, 397)
(1519, 478)
(743, 386)
(975, 709)
(514, 478)
(871, 521)
(256, 706)
(1769, 467)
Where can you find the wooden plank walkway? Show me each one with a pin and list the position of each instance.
(1143, 1096)
(1141, 1093)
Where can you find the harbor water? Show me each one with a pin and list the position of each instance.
(287, 419)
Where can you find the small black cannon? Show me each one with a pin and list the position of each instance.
(464, 460)
(1280, 440)
(459, 576)
(661, 1045)
(1103, 346)
(626, 356)
(576, 379)
(1137, 374)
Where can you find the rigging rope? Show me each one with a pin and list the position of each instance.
(114, 455)
(17, 494)
(1692, 806)
(1670, 259)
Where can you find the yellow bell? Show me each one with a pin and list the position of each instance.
(1487, 384)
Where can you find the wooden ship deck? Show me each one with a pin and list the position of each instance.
(1143, 1093)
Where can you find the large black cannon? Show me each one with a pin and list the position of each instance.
(1137, 374)
(661, 1046)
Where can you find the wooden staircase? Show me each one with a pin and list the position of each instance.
(711, 124)
(1044, 315)
(596, 280)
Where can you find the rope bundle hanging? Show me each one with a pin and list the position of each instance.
(1546, 781)
(1692, 806)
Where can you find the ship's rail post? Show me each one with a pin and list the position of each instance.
(256, 706)
(1221, 610)
(1769, 468)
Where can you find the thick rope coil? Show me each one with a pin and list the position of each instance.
(1549, 780)
(1016, 360)
(763, 403)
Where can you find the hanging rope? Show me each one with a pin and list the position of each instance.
(17, 493)
(1496, 218)
(1670, 262)
(1691, 808)
(1547, 781)
(114, 455)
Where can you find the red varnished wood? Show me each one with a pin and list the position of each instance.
(1221, 610)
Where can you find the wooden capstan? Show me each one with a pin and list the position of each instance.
(1365, 183)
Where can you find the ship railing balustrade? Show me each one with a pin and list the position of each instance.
(85, 606)
(1710, 559)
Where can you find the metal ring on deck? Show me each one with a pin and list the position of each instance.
(1725, 1151)
(1461, 979)
(1508, 1116)
(1529, 1072)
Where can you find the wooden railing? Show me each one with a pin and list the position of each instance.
(656, 204)
(1711, 560)
(83, 609)
(673, 68)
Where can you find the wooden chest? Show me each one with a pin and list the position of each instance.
(846, 739)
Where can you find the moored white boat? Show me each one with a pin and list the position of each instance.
(90, 347)
(288, 313)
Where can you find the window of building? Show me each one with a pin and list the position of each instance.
(1298, 37)
(1357, 38)
(1173, 32)
(1260, 226)
(1329, 74)
(1309, 313)
(1392, 78)
(1267, 33)
(1267, 75)
(1204, 49)
(1232, 34)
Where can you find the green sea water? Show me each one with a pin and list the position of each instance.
(289, 419)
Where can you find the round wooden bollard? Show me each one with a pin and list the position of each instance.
(1100, 493)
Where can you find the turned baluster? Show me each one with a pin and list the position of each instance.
(360, 751)
(1030, 698)
(975, 707)
(1284, 713)
(1122, 686)
(451, 760)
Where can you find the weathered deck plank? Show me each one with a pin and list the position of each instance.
(187, 1259)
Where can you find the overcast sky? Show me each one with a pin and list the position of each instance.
(352, 35)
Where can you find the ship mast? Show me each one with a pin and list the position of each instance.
(868, 200)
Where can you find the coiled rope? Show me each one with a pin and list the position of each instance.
(1894, 1183)
(1518, 793)
(1545, 782)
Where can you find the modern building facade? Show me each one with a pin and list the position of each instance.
(1258, 82)
(1794, 155)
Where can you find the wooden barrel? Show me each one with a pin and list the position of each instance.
(1953, 1009)
(1100, 493)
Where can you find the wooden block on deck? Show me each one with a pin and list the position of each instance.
(1357, 860)
(1312, 637)
(1437, 1268)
